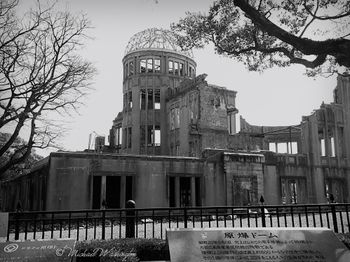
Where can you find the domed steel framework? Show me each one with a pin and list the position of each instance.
(154, 38)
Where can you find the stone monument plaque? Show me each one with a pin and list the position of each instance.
(256, 245)
(37, 250)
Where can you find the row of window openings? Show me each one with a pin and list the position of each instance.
(284, 148)
(323, 147)
(232, 126)
(151, 99)
(151, 65)
(153, 136)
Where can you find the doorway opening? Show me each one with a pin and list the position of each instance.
(96, 192)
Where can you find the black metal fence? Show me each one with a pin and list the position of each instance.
(153, 222)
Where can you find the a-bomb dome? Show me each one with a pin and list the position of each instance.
(155, 39)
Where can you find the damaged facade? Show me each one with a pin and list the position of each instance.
(176, 143)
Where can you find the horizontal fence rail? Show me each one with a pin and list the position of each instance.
(153, 222)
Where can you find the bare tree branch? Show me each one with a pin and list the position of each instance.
(40, 72)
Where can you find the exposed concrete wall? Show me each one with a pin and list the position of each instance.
(272, 190)
(68, 185)
(244, 175)
(136, 117)
(70, 179)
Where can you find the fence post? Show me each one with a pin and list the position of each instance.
(103, 224)
(263, 220)
(130, 219)
(17, 225)
(185, 217)
(334, 218)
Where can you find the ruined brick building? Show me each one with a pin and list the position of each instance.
(176, 143)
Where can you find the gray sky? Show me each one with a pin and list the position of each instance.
(279, 96)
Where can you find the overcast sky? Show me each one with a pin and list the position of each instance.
(279, 96)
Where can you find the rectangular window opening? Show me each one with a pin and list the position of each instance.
(131, 68)
(157, 65)
(130, 100)
(177, 117)
(126, 70)
(118, 136)
(129, 137)
(272, 147)
(323, 147)
(157, 99)
(176, 68)
(143, 99)
(150, 65)
(150, 98)
(231, 123)
(172, 119)
(181, 69)
(142, 136)
(171, 67)
(157, 136)
(150, 136)
(143, 66)
(332, 147)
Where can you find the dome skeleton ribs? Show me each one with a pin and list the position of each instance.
(154, 38)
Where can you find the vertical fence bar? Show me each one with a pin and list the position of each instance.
(112, 222)
(185, 217)
(16, 225)
(144, 227)
(60, 227)
(169, 217)
(78, 225)
(341, 221)
(52, 223)
(34, 229)
(334, 218)
(153, 223)
(285, 219)
(86, 224)
(320, 215)
(8, 231)
(193, 221)
(201, 215)
(263, 218)
(347, 217)
(69, 223)
(95, 226)
(130, 219)
(327, 216)
(136, 226)
(306, 216)
(103, 224)
(120, 224)
(26, 230)
(43, 229)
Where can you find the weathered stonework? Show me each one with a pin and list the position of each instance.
(177, 143)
